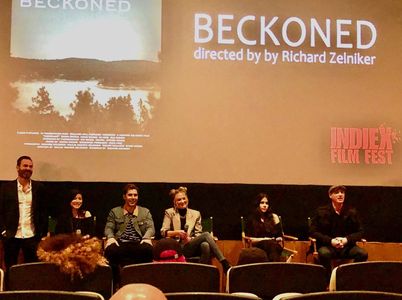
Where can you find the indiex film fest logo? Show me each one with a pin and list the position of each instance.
(363, 145)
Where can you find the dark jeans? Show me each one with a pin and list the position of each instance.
(326, 253)
(129, 253)
(203, 245)
(272, 248)
(12, 248)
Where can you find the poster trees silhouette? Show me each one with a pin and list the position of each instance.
(88, 115)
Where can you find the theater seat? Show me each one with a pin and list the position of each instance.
(344, 295)
(47, 276)
(49, 295)
(384, 276)
(173, 276)
(269, 279)
(209, 296)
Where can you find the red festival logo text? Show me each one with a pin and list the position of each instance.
(363, 145)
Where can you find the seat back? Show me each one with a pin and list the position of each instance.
(272, 278)
(48, 295)
(47, 276)
(173, 276)
(384, 276)
(346, 295)
(208, 296)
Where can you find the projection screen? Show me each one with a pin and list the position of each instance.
(228, 91)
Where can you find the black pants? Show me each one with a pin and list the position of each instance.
(12, 247)
(326, 253)
(129, 253)
(272, 248)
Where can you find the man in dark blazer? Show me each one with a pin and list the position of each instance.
(23, 214)
(337, 228)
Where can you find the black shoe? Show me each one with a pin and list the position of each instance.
(225, 265)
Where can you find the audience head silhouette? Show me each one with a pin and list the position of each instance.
(138, 291)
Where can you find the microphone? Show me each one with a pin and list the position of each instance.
(185, 230)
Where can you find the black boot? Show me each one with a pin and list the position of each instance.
(225, 265)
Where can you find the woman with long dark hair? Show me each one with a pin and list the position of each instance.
(264, 228)
(74, 218)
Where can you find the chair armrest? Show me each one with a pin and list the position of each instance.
(257, 239)
(290, 237)
(290, 250)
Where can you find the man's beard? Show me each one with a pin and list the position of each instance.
(26, 174)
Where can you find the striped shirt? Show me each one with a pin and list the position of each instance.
(130, 234)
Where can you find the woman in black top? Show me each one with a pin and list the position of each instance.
(264, 228)
(75, 219)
